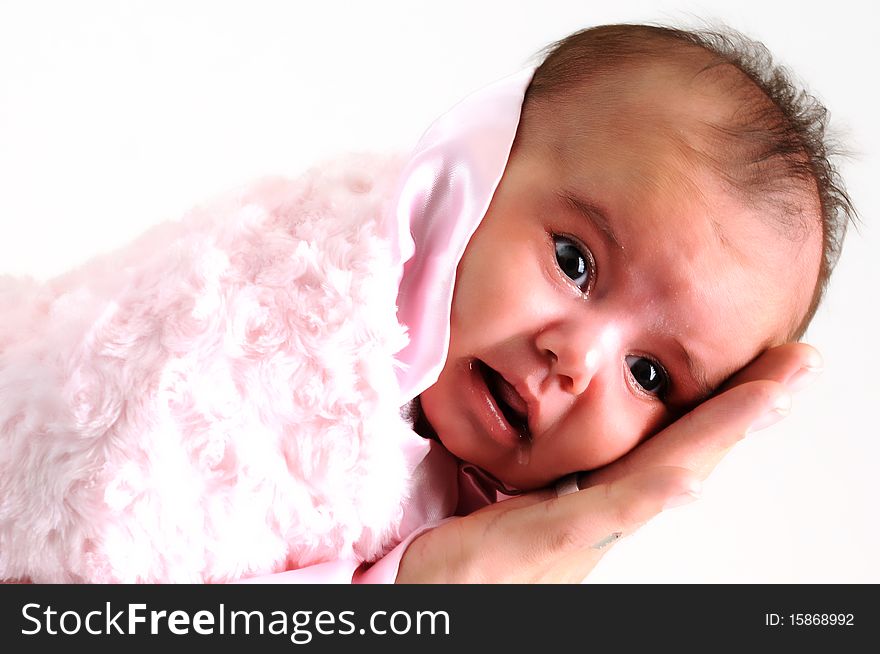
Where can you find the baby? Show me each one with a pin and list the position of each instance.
(667, 213)
(664, 212)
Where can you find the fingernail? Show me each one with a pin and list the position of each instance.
(781, 408)
(803, 378)
(691, 493)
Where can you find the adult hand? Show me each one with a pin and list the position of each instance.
(541, 538)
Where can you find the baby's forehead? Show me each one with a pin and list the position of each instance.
(678, 100)
(706, 120)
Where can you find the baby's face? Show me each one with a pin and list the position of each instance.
(611, 286)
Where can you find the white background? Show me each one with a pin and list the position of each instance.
(117, 115)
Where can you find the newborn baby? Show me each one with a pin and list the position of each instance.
(662, 218)
(661, 221)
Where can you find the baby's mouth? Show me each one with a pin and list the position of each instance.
(511, 404)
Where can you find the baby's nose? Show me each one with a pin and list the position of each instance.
(576, 353)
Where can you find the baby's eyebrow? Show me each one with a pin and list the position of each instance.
(704, 387)
(593, 213)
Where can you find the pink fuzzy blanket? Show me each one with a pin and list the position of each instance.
(215, 401)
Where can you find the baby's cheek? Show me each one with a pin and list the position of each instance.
(611, 445)
(613, 433)
(478, 316)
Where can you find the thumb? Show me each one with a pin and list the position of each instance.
(621, 505)
(570, 534)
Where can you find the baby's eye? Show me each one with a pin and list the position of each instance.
(649, 375)
(575, 261)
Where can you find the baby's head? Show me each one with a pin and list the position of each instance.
(667, 213)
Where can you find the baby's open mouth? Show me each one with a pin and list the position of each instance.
(511, 404)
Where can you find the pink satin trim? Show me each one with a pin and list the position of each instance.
(444, 193)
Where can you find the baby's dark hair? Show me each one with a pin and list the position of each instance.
(773, 146)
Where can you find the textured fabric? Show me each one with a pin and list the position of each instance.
(215, 400)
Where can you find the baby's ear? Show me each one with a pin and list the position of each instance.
(789, 364)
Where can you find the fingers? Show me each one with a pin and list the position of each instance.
(700, 439)
(792, 364)
(571, 533)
